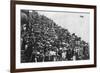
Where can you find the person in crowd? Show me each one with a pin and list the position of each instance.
(70, 53)
(28, 52)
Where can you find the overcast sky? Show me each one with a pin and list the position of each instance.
(77, 23)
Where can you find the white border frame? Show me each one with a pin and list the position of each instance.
(52, 64)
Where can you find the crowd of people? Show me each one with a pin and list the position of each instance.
(42, 43)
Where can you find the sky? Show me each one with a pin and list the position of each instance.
(77, 23)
